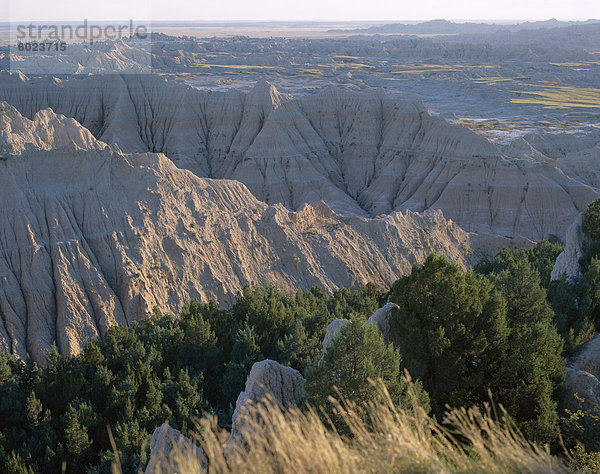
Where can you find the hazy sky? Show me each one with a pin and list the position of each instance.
(19, 10)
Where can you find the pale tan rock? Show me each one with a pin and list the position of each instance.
(567, 262)
(171, 452)
(588, 358)
(381, 319)
(584, 165)
(91, 237)
(284, 385)
(104, 57)
(583, 370)
(363, 153)
(486, 245)
(559, 145)
(46, 131)
(581, 390)
(333, 330)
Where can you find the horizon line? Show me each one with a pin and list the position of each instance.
(453, 20)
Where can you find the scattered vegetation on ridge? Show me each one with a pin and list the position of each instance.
(502, 327)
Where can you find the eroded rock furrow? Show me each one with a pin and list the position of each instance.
(363, 153)
(92, 237)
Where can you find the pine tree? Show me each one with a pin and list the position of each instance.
(298, 350)
(76, 436)
(467, 334)
(591, 220)
(451, 325)
(34, 409)
(358, 355)
(590, 283)
(571, 317)
(532, 358)
(244, 353)
(16, 465)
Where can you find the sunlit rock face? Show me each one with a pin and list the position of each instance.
(268, 382)
(362, 153)
(91, 237)
(567, 263)
(170, 451)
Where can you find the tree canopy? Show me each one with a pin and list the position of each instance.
(357, 358)
(501, 327)
(465, 334)
(161, 369)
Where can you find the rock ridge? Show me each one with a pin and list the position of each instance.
(92, 237)
(363, 153)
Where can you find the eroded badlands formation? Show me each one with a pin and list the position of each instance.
(364, 154)
(91, 236)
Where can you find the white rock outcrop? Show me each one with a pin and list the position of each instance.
(586, 386)
(284, 384)
(567, 262)
(333, 330)
(98, 57)
(382, 318)
(47, 131)
(171, 452)
(91, 237)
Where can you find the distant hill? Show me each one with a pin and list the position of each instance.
(445, 27)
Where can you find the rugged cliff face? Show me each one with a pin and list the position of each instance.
(363, 154)
(583, 165)
(567, 263)
(91, 237)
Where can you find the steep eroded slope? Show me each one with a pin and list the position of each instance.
(91, 237)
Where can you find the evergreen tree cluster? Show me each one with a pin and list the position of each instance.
(162, 368)
(466, 334)
(501, 328)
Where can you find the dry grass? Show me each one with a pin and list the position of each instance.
(491, 79)
(392, 441)
(561, 97)
(242, 67)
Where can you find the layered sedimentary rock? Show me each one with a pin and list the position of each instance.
(172, 452)
(567, 262)
(82, 57)
(47, 132)
(91, 237)
(363, 153)
(584, 165)
(283, 385)
(559, 145)
(333, 330)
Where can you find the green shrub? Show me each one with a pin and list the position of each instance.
(464, 334)
(591, 220)
(357, 358)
